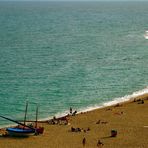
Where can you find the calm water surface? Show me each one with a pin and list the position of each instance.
(62, 54)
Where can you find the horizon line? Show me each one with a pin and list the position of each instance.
(73, 0)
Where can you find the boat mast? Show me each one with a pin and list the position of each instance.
(36, 116)
(15, 121)
(25, 112)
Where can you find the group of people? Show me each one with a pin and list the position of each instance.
(71, 112)
(61, 120)
(79, 129)
(140, 101)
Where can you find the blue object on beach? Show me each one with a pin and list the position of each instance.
(20, 131)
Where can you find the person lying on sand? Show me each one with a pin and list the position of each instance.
(79, 129)
(75, 129)
(118, 113)
(141, 102)
(102, 122)
(118, 105)
(108, 109)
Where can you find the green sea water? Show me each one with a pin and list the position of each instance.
(70, 54)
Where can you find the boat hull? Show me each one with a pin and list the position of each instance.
(20, 132)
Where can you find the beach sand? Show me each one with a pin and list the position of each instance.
(129, 119)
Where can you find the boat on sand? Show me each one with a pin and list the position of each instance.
(23, 129)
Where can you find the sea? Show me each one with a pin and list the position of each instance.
(57, 55)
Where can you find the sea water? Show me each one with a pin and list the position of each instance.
(70, 54)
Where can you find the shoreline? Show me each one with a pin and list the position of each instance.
(137, 94)
(128, 118)
(125, 99)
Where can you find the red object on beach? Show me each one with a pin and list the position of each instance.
(40, 130)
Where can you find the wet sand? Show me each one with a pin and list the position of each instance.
(129, 119)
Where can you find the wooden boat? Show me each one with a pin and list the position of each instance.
(22, 129)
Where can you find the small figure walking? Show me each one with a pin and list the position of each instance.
(99, 143)
(84, 142)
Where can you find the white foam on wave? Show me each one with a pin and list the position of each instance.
(146, 34)
(101, 105)
(127, 97)
(57, 115)
(105, 104)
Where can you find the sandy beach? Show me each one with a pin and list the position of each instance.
(129, 119)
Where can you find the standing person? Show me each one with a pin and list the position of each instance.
(70, 110)
(84, 142)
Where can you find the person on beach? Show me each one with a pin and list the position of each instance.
(113, 133)
(84, 142)
(99, 143)
(142, 102)
(70, 110)
(98, 122)
(74, 113)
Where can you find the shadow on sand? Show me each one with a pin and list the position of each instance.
(107, 137)
(13, 137)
